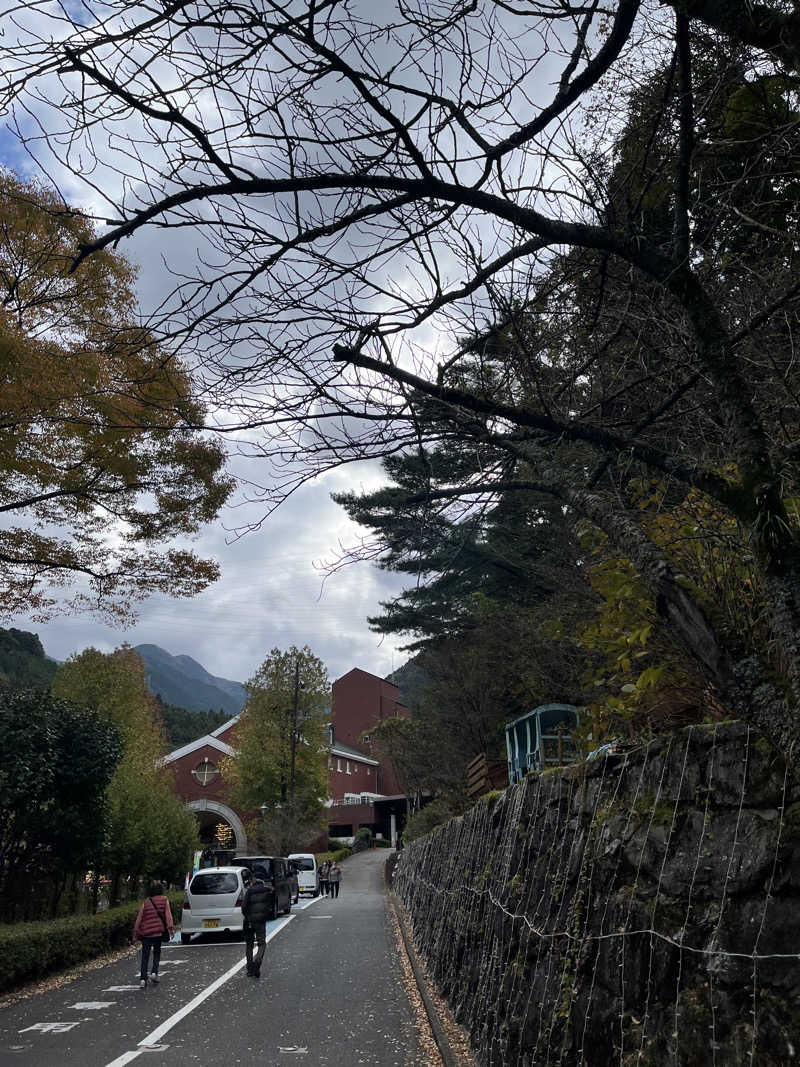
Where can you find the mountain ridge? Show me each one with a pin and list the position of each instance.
(182, 681)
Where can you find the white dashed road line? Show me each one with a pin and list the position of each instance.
(154, 1038)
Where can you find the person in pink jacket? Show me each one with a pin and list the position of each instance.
(153, 920)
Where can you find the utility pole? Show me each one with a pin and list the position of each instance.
(293, 745)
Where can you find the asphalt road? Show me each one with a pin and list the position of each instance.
(330, 994)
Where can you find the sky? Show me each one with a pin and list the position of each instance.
(272, 592)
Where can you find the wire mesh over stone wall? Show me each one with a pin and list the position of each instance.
(640, 909)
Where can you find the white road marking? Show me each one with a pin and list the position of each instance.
(50, 1028)
(94, 1005)
(320, 916)
(155, 1037)
(121, 988)
(126, 1057)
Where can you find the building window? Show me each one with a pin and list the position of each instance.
(205, 772)
(347, 762)
(369, 770)
(338, 764)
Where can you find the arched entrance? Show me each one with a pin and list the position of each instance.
(211, 815)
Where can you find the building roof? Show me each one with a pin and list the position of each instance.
(360, 670)
(207, 741)
(225, 726)
(338, 749)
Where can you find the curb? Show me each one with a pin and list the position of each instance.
(449, 1058)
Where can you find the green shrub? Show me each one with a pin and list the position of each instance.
(381, 842)
(338, 854)
(335, 843)
(363, 839)
(432, 815)
(29, 951)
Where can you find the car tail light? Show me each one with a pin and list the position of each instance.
(186, 905)
(239, 901)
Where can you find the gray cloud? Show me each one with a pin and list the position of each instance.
(271, 594)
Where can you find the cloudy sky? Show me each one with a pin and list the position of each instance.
(271, 594)
(273, 591)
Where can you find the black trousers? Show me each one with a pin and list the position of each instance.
(323, 886)
(255, 933)
(149, 943)
(334, 889)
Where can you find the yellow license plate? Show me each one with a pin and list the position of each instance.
(210, 924)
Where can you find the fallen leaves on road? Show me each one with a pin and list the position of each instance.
(456, 1035)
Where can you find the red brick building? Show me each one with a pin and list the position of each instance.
(362, 790)
(199, 782)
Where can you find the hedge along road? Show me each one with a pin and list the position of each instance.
(331, 992)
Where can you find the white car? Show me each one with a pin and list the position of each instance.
(213, 901)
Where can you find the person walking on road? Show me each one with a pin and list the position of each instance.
(324, 885)
(256, 908)
(334, 878)
(153, 925)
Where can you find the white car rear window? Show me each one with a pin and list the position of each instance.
(210, 882)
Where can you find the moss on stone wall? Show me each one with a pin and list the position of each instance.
(618, 912)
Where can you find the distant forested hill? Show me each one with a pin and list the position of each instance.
(22, 660)
(411, 680)
(183, 726)
(183, 683)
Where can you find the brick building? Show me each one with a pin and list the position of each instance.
(362, 789)
(200, 783)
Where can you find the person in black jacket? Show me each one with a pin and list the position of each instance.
(256, 909)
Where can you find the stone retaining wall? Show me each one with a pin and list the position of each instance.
(641, 909)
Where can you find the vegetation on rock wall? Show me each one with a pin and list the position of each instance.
(641, 908)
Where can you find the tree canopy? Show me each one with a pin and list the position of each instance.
(53, 817)
(571, 229)
(99, 430)
(150, 832)
(280, 772)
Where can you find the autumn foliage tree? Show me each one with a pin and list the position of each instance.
(148, 830)
(101, 458)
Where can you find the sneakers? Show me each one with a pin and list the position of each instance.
(143, 983)
(154, 978)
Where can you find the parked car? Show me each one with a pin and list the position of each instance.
(307, 872)
(276, 873)
(213, 901)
